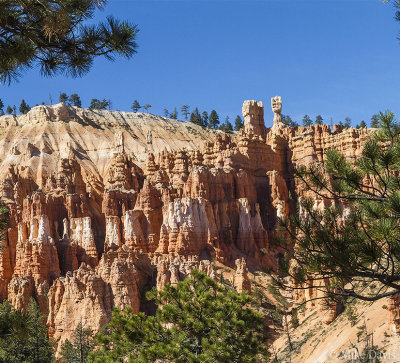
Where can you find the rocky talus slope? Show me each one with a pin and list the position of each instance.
(105, 205)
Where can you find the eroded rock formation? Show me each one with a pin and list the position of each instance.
(122, 202)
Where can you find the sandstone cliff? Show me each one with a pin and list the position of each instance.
(104, 205)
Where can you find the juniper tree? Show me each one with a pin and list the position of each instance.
(200, 321)
(55, 35)
(357, 237)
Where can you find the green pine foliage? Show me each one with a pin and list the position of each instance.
(185, 111)
(307, 121)
(200, 321)
(226, 126)
(96, 104)
(9, 110)
(238, 123)
(24, 107)
(204, 117)
(213, 121)
(319, 120)
(196, 118)
(55, 35)
(23, 336)
(287, 120)
(136, 106)
(75, 100)
(174, 115)
(63, 97)
(79, 350)
(375, 121)
(356, 237)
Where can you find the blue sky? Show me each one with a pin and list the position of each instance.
(334, 58)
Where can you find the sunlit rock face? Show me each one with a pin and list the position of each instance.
(103, 205)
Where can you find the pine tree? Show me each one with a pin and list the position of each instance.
(347, 123)
(375, 121)
(54, 35)
(200, 321)
(79, 350)
(24, 107)
(319, 120)
(14, 110)
(238, 123)
(204, 117)
(174, 115)
(195, 117)
(307, 121)
(363, 125)
(75, 100)
(146, 107)
(213, 120)
(1, 106)
(96, 104)
(166, 113)
(287, 120)
(226, 126)
(136, 106)
(23, 336)
(185, 111)
(63, 97)
(356, 238)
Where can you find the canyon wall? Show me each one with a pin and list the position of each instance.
(104, 205)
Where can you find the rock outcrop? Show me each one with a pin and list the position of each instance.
(122, 202)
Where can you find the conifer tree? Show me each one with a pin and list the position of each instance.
(204, 117)
(24, 107)
(166, 113)
(363, 125)
(185, 111)
(82, 345)
(96, 104)
(287, 120)
(375, 121)
(195, 117)
(238, 123)
(55, 35)
(174, 115)
(213, 120)
(63, 97)
(23, 336)
(200, 321)
(9, 110)
(75, 100)
(319, 120)
(356, 238)
(347, 123)
(136, 106)
(226, 126)
(307, 121)
(146, 107)
(1, 107)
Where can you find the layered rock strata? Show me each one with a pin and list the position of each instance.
(122, 202)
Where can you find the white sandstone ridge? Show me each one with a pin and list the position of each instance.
(46, 134)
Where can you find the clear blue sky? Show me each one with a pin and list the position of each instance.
(334, 58)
